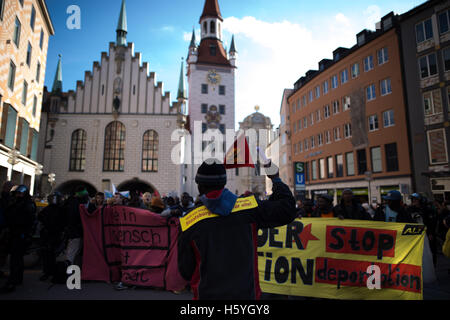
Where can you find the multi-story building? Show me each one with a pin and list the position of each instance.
(254, 179)
(115, 128)
(25, 28)
(285, 156)
(348, 119)
(425, 43)
(211, 81)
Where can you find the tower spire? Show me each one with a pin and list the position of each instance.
(57, 82)
(181, 84)
(192, 45)
(211, 10)
(122, 26)
(232, 47)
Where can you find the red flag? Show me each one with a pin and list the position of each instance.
(239, 155)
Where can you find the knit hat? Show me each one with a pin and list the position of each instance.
(211, 173)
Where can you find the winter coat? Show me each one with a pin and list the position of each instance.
(219, 254)
(357, 211)
(402, 215)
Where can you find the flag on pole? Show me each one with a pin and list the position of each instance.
(238, 156)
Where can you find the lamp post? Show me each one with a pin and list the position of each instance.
(13, 156)
(51, 180)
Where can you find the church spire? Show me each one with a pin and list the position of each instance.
(192, 45)
(211, 10)
(122, 26)
(232, 47)
(57, 82)
(181, 84)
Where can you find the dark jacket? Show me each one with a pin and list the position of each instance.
(20, 217)
(356, 212)
(219, 254)
(319, 213)
(402, 215)
(425, 215)
(54, 221)
(74, 224)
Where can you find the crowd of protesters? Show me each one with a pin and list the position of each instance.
(61, 232)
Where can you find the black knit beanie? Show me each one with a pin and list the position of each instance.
(211, 173)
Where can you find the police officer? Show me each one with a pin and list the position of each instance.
(53, 220)
(219, 254)
(20, 218)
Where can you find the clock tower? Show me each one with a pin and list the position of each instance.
(211, 81)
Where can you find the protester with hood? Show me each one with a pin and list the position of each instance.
(4, 202)
(20, 219)
(218, 254)
(350, 208)
(186, 203)
(53, 219)
(75, 226)
(174, 209)
(324, 207)
(393, 210)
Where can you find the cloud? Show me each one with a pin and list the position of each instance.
(373, 15)
(168, 29)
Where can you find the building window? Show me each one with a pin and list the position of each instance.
(350, 164)
(388, 118)
(446, 56)
(78, 150)
(24, 93)
(311, 116)
(33, 17)
(326, 111)
(34, 106)
(34, 144)
(300, 146)
(305, 122)
(335, 107)
(362, 161)
(320, 139)
(355, 70)
(21, 2)
(304, 101)
(368, 63)
(41, 39)
(29, 51)
(298, 104)
(334, 82)
(432, 102)
(205, 27)
(428, 66)
(204, 89)
(221, 109)
(317, 92)
(150, 146)
(2, 8)
(327, 136)
(114, 152)
(346, 103)
(213, 50)
(318, 116)
(283, 139)
(385, 86)
(444, 21)
(24, 135)
(339, 166)
(38, 72)
(437, 146)
(370, 92)
(325, 87)
(204, 129)
(382, 55)
(16, 34)
(322, 171)
(11, 125)
(314, 169)
(424, 31)
(299, 126)
(337, 133)
(310, 96)
(11, 75)
(373, 123)
(344, 76)
(377, 165)
(391, 157)
(204, 108)
(313, 142)
(347, 130)
(222, 90)
(330, 167)
(306, 144)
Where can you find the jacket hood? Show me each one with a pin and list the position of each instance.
(222, 205)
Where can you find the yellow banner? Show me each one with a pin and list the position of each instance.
(202, 212)
(330, 258)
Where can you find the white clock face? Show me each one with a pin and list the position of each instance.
(213, 77)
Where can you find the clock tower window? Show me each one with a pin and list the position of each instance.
(213, 27)
(222, 90)
(204, 89)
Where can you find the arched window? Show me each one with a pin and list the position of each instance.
(150, 144)
(114, 153)
(205, 27)
(78, 151)
(213, 27)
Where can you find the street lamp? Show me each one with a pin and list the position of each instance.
(13, 159)
(51, 180)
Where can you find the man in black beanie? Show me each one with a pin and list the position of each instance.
(217, 250)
